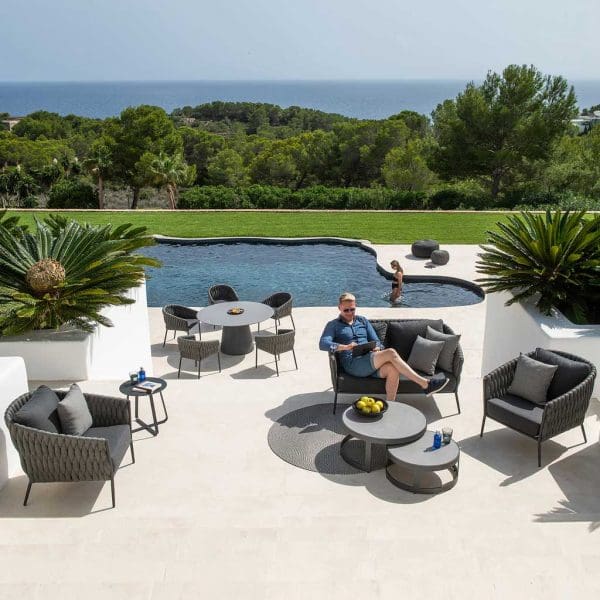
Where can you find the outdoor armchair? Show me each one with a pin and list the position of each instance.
(196, 350)
(277, 344)
(540, 421)
(281, 303)
(56, 457)
(180, 318)
(222, 293)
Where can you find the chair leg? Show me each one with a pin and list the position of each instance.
(457, 402)
(179, 371)
(256, 359)
(174, 333)
(29, 484)
(539, 444)
(335, 402)
(293, 324)
(165, 340)
(132, 452)
(584, 436)
(112, 490)
(258, 327)
(199, 367)
(276, 365)
(276, 329)
(482, 426)
(219, 360)
(295, 361)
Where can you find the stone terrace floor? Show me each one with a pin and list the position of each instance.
(208, 511)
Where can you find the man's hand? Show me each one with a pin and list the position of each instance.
(349, 346)
(376, 349)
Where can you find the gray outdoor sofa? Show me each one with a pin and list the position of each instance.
(405, 334)
(47, 455)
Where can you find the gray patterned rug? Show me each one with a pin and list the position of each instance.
(310, 438)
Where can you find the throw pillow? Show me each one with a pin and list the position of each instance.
(532, 379)
(569, 374)
(424, 355)
(75, 416)
(39, 411)
(401, 335)
(450, 345)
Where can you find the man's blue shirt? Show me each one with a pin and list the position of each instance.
(339, 331)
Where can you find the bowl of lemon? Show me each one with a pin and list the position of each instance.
(370, 407)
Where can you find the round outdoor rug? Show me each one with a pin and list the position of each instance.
(310, 438)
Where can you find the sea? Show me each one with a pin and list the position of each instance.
(359, 99)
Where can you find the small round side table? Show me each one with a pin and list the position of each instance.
(129, 389)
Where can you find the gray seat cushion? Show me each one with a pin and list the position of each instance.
(516, 413)
(40, 411)
(348, 384)
(569, 374)
(402, 335)
(73, 411)
(532, 379)
(118, 438)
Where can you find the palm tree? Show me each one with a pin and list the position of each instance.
(98, 162)
(171, 171)
(65, 273)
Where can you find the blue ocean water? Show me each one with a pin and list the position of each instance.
(361, 99)
(315, 275)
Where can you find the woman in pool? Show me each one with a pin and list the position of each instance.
(396, 281)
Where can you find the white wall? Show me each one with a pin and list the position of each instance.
(108, 353)
(13, 383)
(510, 330)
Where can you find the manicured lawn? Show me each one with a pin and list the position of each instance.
(381, 228)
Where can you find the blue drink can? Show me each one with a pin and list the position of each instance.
(437, 440)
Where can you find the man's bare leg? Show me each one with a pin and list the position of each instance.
(390, 356)
(392, 378)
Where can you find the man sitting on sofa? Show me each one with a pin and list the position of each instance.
(349, 330)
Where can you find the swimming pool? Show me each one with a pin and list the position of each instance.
(314, 273)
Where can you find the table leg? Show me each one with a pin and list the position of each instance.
(236, 340)
(153, 429)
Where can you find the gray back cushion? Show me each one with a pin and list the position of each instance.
(40, 411)
(532, 379)
(569, 374)
(380, 328)
(402, 335)
(75, 416)
(446, 358)
(424, 355)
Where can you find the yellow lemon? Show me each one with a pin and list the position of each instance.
(371, 401)
(375, 409)
(364, 398)
(366, 410)
(360, 404)
(379, 403)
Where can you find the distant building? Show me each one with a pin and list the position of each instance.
(10, 122)
(585, 122)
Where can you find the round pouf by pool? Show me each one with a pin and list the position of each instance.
(440, 257)
(424, 248)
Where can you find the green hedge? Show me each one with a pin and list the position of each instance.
(72, 193)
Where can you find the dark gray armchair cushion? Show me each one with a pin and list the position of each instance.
(446, 358)
(532, 379)
(569, 374)
(424, 355)
(40, 411)
(401, 336)
(73, 411)
(516, 413)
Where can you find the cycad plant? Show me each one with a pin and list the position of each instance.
(553, 258)
(65, 273)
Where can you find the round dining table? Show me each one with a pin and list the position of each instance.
(236, 338)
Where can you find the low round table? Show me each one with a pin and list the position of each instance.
(400, 424)
(421, 457)
(236, 338)
(128, 389)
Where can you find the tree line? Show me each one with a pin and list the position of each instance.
(506, 140)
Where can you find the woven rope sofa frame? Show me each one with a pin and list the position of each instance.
(559, 414)
(179, 318)
(56, 457)
(377, 386)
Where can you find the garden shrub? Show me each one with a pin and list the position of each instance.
(72, 193)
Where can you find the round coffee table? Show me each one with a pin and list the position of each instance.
(236, 338)
(128, 389)
(400, 424)
(421, 457)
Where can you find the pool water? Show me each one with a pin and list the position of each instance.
(315, 275)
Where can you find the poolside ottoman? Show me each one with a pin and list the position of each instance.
(424, 248)
(440, 257)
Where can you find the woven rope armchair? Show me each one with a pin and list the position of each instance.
(180, 318)
(196, 350)
(277, 344)
(222, 293)
(55, 457)
(548, 420)
(281, 303)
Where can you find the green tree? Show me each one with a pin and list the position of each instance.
(15, 186)
(417, 123)
(491, 130)
(98, 163)
(32, 154)
(170, 171)
(199, 147)
(227, 168)
(138, 131)
(405, 168)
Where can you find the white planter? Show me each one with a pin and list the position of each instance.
(520, 327)
(108, 353)
(13, 383)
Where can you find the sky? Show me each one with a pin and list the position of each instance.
(110, 40)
